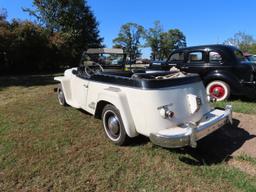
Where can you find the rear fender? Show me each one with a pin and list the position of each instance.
(116, 97)
(225, 76)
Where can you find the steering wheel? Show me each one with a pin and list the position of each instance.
(94, 69)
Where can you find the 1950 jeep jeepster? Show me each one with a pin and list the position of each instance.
(171, 108)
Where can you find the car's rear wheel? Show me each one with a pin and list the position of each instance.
(113, 125)
(61, 96)
(219, 90)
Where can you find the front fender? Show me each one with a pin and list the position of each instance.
(118, 98)
(66, 86)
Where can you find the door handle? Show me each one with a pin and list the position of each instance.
(86, 86)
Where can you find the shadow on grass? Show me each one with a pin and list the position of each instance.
(213, 149)
(26, 80)
(139, 140)
(217, 147)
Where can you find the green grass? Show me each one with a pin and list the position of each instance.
(245, 157)
(47, 147)
(246, 106)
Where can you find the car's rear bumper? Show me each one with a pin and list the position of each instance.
(190, 133)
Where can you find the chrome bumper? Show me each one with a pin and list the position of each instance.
(191, 132)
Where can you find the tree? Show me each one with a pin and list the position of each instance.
(171, 40)
(129, 38)
(28, 51)
(73, 19)
(5, 40)
(242, 40)
(162, 43)
(153, 37)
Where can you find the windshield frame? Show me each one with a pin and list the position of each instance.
(97, 56)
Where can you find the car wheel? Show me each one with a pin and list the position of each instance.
(61, 96)
(113, 125)
(219, 90)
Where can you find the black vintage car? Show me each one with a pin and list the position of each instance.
(223, 69)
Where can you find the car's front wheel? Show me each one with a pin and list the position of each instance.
(61, 96)
(218, 89)
(113, 125)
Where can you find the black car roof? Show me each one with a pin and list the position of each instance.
(215, 46)
(228, 50)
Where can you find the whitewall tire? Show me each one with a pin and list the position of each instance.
(219, 90)
(113, 125)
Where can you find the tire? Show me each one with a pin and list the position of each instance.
(113, 125)
(61, 96)
(218, 89)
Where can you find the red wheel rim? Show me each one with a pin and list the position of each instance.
(217, 91)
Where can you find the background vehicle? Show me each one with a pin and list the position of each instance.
(223, 69)
(251, 58)
(170, 108)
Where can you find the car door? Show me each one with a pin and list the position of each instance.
(79, 91)
(217, 61)
(195, 62)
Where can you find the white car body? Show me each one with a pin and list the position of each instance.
(143, 109)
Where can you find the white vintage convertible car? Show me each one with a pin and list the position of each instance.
(171, 108)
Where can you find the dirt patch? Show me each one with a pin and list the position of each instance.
(228, 142)
(244, 166)
(248, 123)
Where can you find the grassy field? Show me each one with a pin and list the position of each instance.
(46, 147)
(240, 105)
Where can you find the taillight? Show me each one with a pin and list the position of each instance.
(194, 103)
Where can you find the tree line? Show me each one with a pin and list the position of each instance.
(133, 36)
(245, 42)
(62, 30)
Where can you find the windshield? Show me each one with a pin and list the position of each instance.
(239, 55)
(104, 59)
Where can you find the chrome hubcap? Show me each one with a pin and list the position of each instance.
(61, 97)
(112, 124)
(217, 91)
